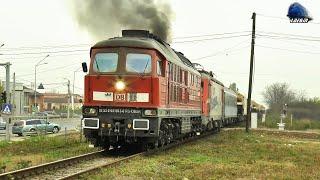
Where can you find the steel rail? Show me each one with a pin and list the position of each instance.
(92, 170)
(64, 163)
(30, 171)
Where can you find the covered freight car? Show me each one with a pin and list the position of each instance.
(230, 106)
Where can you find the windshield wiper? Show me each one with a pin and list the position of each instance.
(145, 68)
(97, 65)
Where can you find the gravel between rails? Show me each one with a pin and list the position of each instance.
(63, 172)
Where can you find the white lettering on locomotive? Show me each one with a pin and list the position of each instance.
(120, 97)
(102, 96)
(120, 111)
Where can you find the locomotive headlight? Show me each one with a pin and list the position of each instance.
(150, 112)
(90, 111)
(129, 125)
(120, 85)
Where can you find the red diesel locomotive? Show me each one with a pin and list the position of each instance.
(139, 90)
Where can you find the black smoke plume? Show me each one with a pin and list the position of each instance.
(106, 18)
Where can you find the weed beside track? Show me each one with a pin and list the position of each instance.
(229, 154)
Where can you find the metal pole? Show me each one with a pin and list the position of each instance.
(35, 81)
(74, 77)
(80, 130)
(35, 88)
(46, 125)
(251, 71)
(8, 81)
(14, 95)
(7, 66)
(68, 98)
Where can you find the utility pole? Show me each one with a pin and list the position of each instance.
(35, 81)
(7, 66)
(68, 99)
(13, 97)
(248, 121)
(72, 98)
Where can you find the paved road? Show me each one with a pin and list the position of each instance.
(66, 124)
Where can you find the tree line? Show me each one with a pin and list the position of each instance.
(299, 105)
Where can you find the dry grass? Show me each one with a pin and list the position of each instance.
(40, 149)
(230, 155)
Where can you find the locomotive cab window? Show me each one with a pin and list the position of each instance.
(105, 62)
(160, 68)
(138, 63)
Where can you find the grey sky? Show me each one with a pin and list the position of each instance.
(37, 23)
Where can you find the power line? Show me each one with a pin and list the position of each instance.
(58, 55)
(281, 18)
(208, 39)
(25, 48)
(206, 35)
(44, 47)
(48, 70)
(290, 50)
(290, 38)
(46, 52)
(290, 41)
(290, 35)
(218, 52)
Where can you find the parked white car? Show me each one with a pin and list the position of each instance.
(2, 124)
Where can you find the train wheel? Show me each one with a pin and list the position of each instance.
(219, 126)
(161, 141)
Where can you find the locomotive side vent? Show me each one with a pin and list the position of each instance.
(141, 124)
(91, 123)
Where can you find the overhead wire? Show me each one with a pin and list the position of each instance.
(281, 18)
(25, 48)
(58, 55)
(290, 50)
(290, 41)
(287, 37)
(206, 35)
(48, 70)
(221, 51)
(45, 52)
(286, 34)
(209, 39)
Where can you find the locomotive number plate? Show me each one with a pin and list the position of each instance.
(120, 97)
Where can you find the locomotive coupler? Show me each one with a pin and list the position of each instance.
(117, 127)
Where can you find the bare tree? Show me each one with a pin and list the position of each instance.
(277, 94)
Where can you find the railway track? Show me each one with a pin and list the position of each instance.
(76, 167)
(92, 170)
(31, 171)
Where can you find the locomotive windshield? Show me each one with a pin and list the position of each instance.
(134, 63)
(138, 63)
(105, 62)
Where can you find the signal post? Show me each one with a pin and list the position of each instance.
(6, 108)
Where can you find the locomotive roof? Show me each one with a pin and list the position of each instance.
(207, 74)
(149, 43)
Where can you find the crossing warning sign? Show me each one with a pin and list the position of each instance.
(6, 108)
